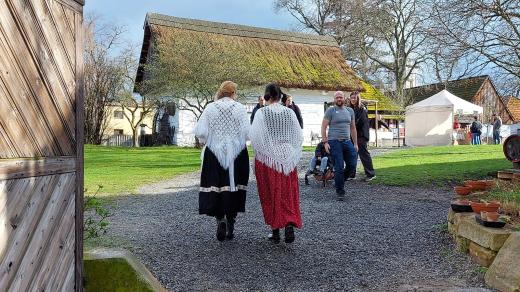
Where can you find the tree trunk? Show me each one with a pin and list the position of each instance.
(135, 143)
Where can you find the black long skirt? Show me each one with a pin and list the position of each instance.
(215, 197)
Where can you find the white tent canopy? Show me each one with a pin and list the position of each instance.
(445, 99)
(430, 122)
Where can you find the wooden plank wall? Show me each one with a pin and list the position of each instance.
(41, 145)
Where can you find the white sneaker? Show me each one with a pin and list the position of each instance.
(369, 178)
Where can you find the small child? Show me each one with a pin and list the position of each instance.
(321, 156)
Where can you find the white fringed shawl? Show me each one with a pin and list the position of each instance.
(277, 138)
(224, 127)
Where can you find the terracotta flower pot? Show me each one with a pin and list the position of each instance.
(489, 183)
(463, 202)
(488, 207)
(494, 204)
(477, 207)
(492, 216)
(462, 190)
(479, 185)
(469, 182)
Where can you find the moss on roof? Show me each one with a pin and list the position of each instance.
(384, 102)
(292, 60)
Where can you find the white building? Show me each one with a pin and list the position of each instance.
(310, 67)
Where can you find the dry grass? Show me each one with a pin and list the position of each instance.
(508, 193)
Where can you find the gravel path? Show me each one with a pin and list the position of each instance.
(380, 239)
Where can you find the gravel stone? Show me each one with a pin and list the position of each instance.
(380, 238)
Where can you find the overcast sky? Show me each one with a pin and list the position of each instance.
(131, 13)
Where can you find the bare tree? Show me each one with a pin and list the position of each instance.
(343, 20)
(105, 74)
(376, 35)
(488, 29)
(188, 68)
(135, 111)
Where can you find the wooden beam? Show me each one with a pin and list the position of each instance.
(23, 168)
(80, 135)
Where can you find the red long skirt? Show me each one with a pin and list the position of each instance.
(279, 196)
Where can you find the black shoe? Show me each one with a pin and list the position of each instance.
(340, 195)
(289, 234)
(221, 229)
(230, 229)
(274, 236)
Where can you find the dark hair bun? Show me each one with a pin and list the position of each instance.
(272, 92)
(284, 97)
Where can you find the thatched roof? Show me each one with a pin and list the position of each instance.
(293, 60)
(384, 103)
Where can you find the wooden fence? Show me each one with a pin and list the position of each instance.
(118, 140)
(41, 148)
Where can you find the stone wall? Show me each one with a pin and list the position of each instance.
(497, 249)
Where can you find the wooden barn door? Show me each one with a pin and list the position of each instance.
(41, 145)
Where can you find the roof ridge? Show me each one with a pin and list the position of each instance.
(238, 29)
(456, 80)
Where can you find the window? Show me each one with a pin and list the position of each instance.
(118, 132)
(118, 114)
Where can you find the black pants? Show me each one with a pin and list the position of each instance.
(365, 158)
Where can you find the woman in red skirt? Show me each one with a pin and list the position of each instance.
(277, 140)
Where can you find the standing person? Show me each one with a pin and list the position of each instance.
(287, 100)
(497, 124)
(277, 141)
(342, 126)
(225, 167)
(363, 136)
(476, 131)
(259, 105)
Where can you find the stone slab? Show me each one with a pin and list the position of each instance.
(481, 255)
(462, 244)
(117, 270)
(490, 238)
(504, 273)
(454, 220)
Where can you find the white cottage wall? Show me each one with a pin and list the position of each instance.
(310, 103)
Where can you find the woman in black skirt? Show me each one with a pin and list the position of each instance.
(223, 127)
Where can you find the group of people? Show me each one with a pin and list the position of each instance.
(276, 136)
(345, 136)
(476, 130)
(275, 132)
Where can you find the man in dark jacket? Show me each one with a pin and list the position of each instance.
(288, 102)
(259, 105)
(497, 124)
(363, 136)
(476, 131)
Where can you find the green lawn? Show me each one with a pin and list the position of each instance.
(439, 165)
(122, 169)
